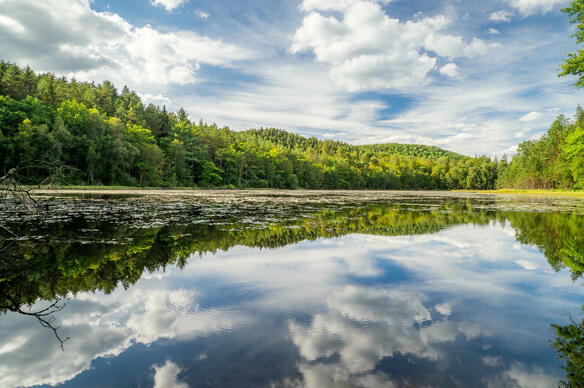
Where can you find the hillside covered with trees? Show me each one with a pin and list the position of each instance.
(92, 134)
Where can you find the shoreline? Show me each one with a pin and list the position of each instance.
(182, 191)
(538, 192)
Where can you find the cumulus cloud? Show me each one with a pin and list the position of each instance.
(450, 69)
(12, 25)
(530, 377)
(531, 116)
(332, 376)
(166, 376)
(530, 7)
(482, 107)
(528, 265)
(69, 37)
(500, 16)
(492, 361)
(104, 326)
(169, 5)
(521, 376)
(493, 31)
(332, 5)
(396, 322)
(202, 14)
(444, 309)
(157, 99)
(367, 49)
(33, 357)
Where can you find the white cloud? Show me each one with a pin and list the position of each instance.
(366, 49)
(320, 375)
(104, 326)
(202, 14)
(68, 37)
(527, 264)
(393, 325)
(450, 69)
(169, 5)
(156, 99)
(333, 5)
(453, 46)
(492, 361)
(166, 376)
(12, 25)
(475, 115)
(444, 309)
(521, 376)
(501, 16)
(530, 7)
(493, 31)
(359, 51)
(531, 116)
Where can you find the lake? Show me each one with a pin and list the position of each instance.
(292, 289)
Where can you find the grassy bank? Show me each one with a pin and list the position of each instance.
(110, 188)
(572, 193)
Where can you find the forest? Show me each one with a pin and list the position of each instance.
(64, 132)
(554, 161)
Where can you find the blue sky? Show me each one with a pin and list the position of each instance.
(476, 77)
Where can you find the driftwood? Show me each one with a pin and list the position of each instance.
(21, 196)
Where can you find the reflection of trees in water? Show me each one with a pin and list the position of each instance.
(51, 261)
(560, 236)
(66, 261)
(43, 315)
(569, 345)
(83, 255)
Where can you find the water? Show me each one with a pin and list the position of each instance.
(301, 290)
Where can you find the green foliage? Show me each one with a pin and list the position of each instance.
(559, 236)
(555, 161)
(574, 64)
(110, 138)
(569, 344)
(574, 154)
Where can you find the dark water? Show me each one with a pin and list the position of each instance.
(412, 291)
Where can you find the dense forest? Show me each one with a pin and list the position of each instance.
(555, 161)
(66, 132)
(63, 131)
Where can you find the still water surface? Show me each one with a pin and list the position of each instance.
(405, 290)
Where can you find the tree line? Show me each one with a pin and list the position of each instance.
(554, 161)
(92, 134)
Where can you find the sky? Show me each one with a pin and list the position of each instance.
(472, 76)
